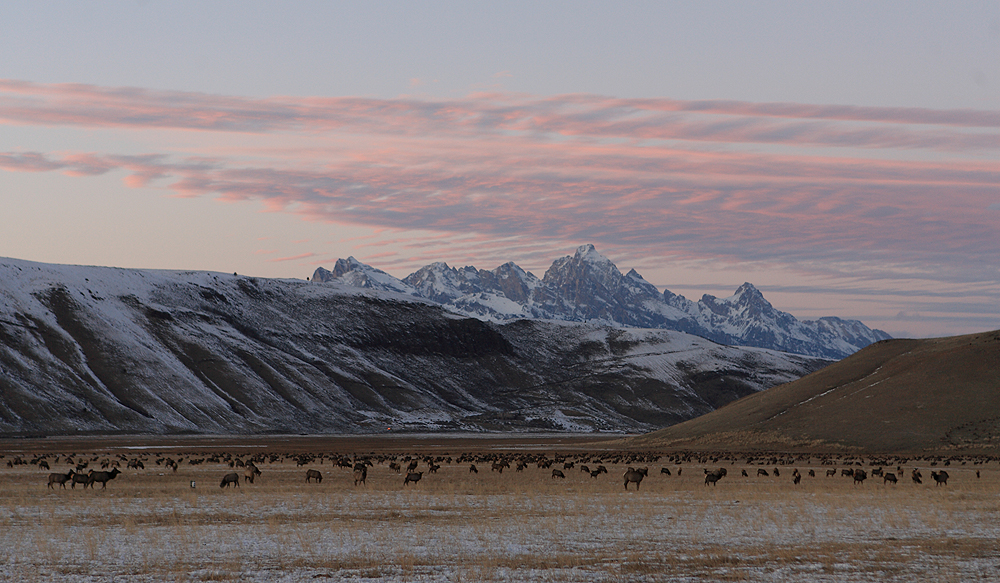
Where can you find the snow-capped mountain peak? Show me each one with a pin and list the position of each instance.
(588, 286)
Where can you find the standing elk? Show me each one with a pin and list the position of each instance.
(714, 476)
(940, 478)
(61, 479)
(916, 476)
(231, 478)
(314, 475)
(888, 477)
(860, 476)
(634, 475)
(412, 477)
(360, 474)
(103, 477)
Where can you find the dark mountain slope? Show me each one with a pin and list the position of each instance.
(893, 396)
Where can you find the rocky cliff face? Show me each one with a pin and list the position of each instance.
(102, 350)
(588, 287)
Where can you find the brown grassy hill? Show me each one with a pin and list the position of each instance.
(893, 396)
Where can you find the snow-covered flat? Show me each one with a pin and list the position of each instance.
(453, 525)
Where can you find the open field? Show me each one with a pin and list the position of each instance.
(151, 525)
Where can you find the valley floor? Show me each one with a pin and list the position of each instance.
(152, 525)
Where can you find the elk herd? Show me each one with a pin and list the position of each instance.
(592, 465)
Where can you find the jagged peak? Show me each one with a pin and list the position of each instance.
(748, 294)
(633, 274)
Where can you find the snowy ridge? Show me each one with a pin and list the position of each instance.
(588, 287)
(106, 350)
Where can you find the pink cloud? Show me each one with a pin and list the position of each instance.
(817, 185)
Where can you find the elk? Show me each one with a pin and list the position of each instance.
(79, 478)
(714, 476)
(231, 478)
(103, 477)
(762, 472)
(60, 479)
(940, 478)
(314, 475)
(916, 476)
(665, 471)
(860, 476)
(473, 469)
(888, 477)
(360, 474)
(634, 475)
(558, 474)
(831, 472)
(412, 477)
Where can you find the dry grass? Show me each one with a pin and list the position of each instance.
(519, 526)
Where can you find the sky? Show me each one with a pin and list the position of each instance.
(842, 157)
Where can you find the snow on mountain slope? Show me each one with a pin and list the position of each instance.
(588, 287)
(105, 350)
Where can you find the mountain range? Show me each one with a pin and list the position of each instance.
(100, 350)
(588, 287)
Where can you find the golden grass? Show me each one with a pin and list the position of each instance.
(456, 526)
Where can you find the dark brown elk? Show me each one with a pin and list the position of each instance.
(812, 473)
(558, 474)
(473, 469)
(860, 476)
(79, 478)
(831, 472)
(412, 466)
(360, 474)
(665, 471)
(634, 475)
(714, 476)
(499, 466)
(60, 479)
(412, 477)
(847, 472)
(762, 472)
(940, 478)
(231, 478)
(103, 477)
(888, 477)
(745, 474)
(395, 467)
(43, 465)
(916, 476)
(314, 475)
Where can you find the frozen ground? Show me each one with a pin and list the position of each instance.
(150, 525)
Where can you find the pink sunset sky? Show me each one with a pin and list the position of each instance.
(845, 159)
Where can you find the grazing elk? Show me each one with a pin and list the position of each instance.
(665, 471)
(231, 478)
(60, 479)
(558, 474)
(395, 467)
(762, 472)
(634, 475)
(103, 477)
(888, 477)
(412, 477)
(43, 465)
(314, 475)
(831, 472)
(473, 469)
(745, 474)
(940, 478)
(916, 476)
(812, 473)
(860, 476)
